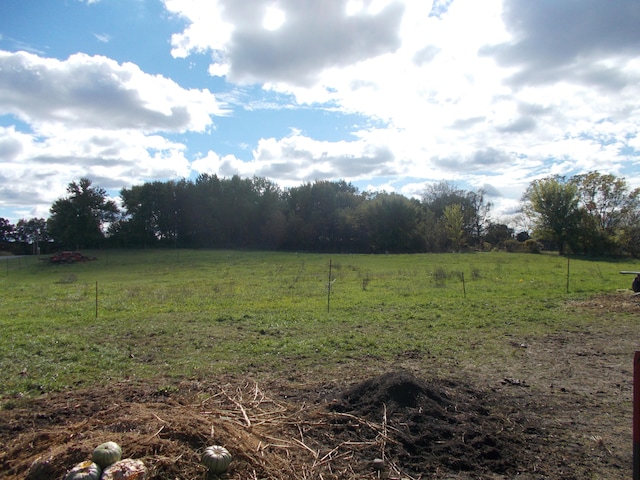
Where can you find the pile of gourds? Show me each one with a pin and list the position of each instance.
(107, 464)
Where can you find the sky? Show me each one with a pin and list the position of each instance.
(389, 95)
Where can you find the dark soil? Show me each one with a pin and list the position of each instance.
(435, 426)
(561, 409)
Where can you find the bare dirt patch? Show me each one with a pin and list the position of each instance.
(560, 409)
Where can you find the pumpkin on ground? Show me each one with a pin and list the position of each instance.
(216, 459)
(127, 469)
(107, 453)
(84, 471)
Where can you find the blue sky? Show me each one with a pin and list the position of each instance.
(387, 94)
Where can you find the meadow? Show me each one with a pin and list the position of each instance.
(179, 314)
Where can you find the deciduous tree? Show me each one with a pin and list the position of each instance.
(79, 220)
(553, 205)
(454, 225)
(6, 230)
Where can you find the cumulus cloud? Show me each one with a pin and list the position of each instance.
(92, 91)
(46, 164)
(481, 160)
(519, 125)
(313, 37)
(587, 42)
(298, 158)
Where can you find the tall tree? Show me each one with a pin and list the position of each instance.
(201, 213)
(629, 234)
(473, 206)
(317, 215)
(435, 199)
(271, 216)
(6, 230)
(606, 205)
(478, 215)
(606, 198)
(32, 232)
(454, 225)
(78, 220)
(553, 204)
(390, 222)
(151, 213)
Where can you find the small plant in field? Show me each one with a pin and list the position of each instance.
(440, 277)
(365, 282)
(68, 279)
(167, 390)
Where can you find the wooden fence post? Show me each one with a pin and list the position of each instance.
(636, 416)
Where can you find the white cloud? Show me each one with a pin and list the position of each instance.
(35, 170)
(207, 30)
(297, 158)
(85, 91)
(102, 37)
(273, 18)
(311, 36)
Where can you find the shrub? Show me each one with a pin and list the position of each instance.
(512, 246)
(532, 246)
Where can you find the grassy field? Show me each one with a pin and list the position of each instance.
(193, 314)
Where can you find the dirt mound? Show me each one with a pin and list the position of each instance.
(435, 425)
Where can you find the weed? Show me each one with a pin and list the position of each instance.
(365, 282)
(476, 274)
(68, 279)
(440, 277)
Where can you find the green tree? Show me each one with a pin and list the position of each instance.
(79, 220)
(272, 219)
(150, 214)
(390, 222)
(478, 215)
(629, 235)
(318, 215)
(454, 225)
(553, 205)
(606, 198)
(497, 234)
(6, 230)
(473, 206)
(32, 232)
(607, 206)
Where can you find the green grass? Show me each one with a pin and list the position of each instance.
(195, 314)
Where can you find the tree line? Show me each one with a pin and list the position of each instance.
(590, 214)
